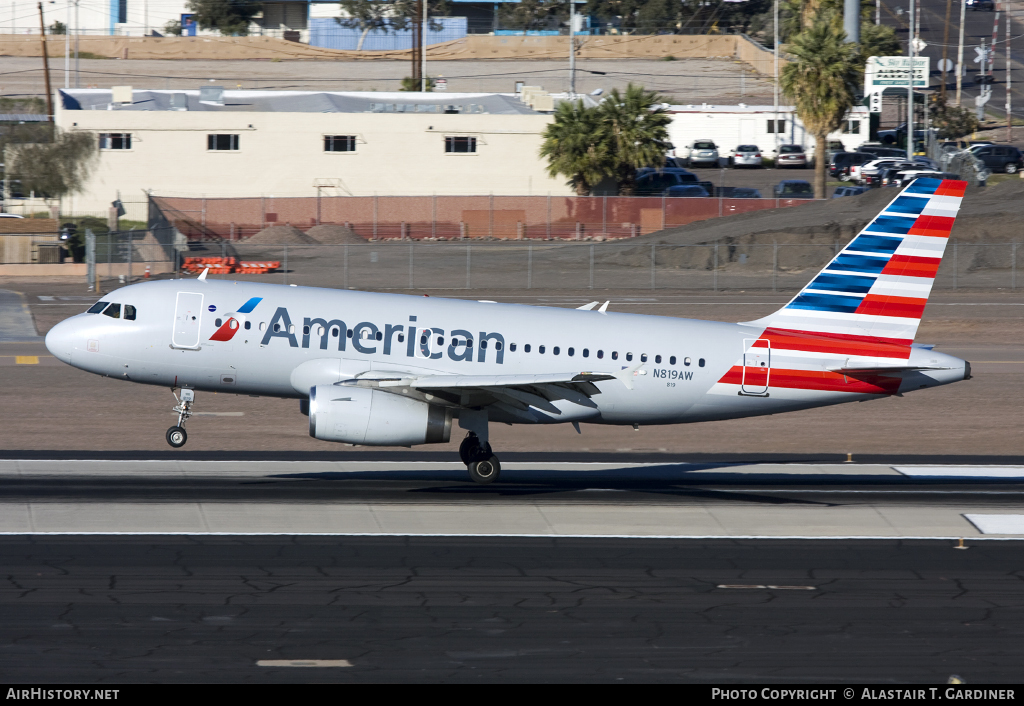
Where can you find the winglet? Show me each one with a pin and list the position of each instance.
(203, 276)
(626, 375)
(587, 307)
(604, 307)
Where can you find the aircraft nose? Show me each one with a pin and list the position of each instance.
(60, 341)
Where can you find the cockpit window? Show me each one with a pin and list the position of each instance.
(97, 307)
(113, 311)
(129, 312)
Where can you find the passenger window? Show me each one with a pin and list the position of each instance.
(263, 326)
(615, 355)
(686, 361)
(556, 350)
(277, 327)
(572, 351)
(218, 322)
(643, 357)
(483, 344)
(248, 325)
(305, 329)
(526, 348)
(540, 350)
(657, 359)
(97, 307)
(129, 312)
(512, 347)
(401, 338)
(497, 345)
(700, 362)
(672, 360)
(423, 339)
(629, 356)
(113, 311)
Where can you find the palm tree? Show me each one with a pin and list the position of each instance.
(822, 83)
(575, 147)
(636, 126)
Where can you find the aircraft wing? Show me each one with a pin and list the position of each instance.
(515, 393)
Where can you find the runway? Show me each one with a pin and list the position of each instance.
(122, 610)
(613, 499)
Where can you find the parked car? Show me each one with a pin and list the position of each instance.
(791, 157)
(839, 167)
(989, 5)
(700, 152)
(849, 191)
(746, 156)
(880, 150)
(870, 173)
(709, 187)
(738, 192)
(793, 189)
(10, 215)
(690, 191)
(926, 162)
(654, 182)
(1000, 158)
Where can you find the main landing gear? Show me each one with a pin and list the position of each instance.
(483, 465)
(176, 435)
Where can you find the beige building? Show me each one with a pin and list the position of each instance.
(263, 143)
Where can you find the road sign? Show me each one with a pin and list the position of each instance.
(945, 64)
(441, 84)
(982, 55)
(883, 72)
(919, 45)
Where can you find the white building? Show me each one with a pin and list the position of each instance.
(733, 125)
(137, 18)
(291, 143)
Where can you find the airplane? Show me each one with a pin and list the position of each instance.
(374, 369)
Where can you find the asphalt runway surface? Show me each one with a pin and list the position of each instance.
(212, 609)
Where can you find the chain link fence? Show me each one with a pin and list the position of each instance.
(581, 266)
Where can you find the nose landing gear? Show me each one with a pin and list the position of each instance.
(482, 464)
(176, 435)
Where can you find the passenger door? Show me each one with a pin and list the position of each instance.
(757, 366)
(188, 315)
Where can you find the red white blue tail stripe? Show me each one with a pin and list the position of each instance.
(862, 311)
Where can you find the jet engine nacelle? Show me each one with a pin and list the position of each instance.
(360, 415)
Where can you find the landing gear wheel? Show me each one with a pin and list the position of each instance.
(486, 470)
(470, 449)
(177, 437)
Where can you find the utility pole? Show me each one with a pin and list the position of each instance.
(572, 50)
(945, 49)
(960, 53)
(67, 49)
(775, 53)
(878, 12)
(417, 39)
(910, 83)
(1009, 96)
(423, 51)
(46, 64)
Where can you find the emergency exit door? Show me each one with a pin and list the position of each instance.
(188, 315)
(757, 366)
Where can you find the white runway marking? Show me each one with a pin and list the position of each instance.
(503, 535)
(997, 524)
(962, 471)
(303, 663)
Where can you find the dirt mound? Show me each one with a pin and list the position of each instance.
(281, 235)
(334, 235)
(985, 216)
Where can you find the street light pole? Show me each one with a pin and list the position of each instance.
(775, 52)
(910, 83)
(572, 49)
(960, 53)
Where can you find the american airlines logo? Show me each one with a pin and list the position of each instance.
(234, 319)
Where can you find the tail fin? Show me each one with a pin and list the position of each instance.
(876, 288)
